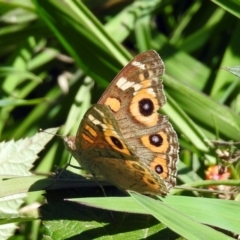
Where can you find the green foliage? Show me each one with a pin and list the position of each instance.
(16, 159)
(57, 57)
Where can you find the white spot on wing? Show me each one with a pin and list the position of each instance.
(139, 65)
(101, 113)
(150, 73)
(127, 85)
(137, 87)
(95, 121)
(151, 91)
(124, 84)
(121, 81)
(171, 151)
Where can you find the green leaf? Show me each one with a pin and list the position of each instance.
(63, 219)
(219, 213)
(234, 70)
(232, 6)
(185, 226)
(16, 158)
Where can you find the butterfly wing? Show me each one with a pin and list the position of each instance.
(134, 97)
(124, 138)
(101, 149)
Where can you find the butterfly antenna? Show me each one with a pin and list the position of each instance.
(54, 134)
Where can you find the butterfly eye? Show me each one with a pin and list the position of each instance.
(146, 107)
(156, 140)
(116, 142)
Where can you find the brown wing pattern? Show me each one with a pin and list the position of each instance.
(124, 138)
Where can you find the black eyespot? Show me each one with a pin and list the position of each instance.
(146, 74)
(146, 107)
(156, 140)
(116, 142)
(158, 169)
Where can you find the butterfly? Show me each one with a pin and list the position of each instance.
(124, 138)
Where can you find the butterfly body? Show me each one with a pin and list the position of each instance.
(124, 138)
